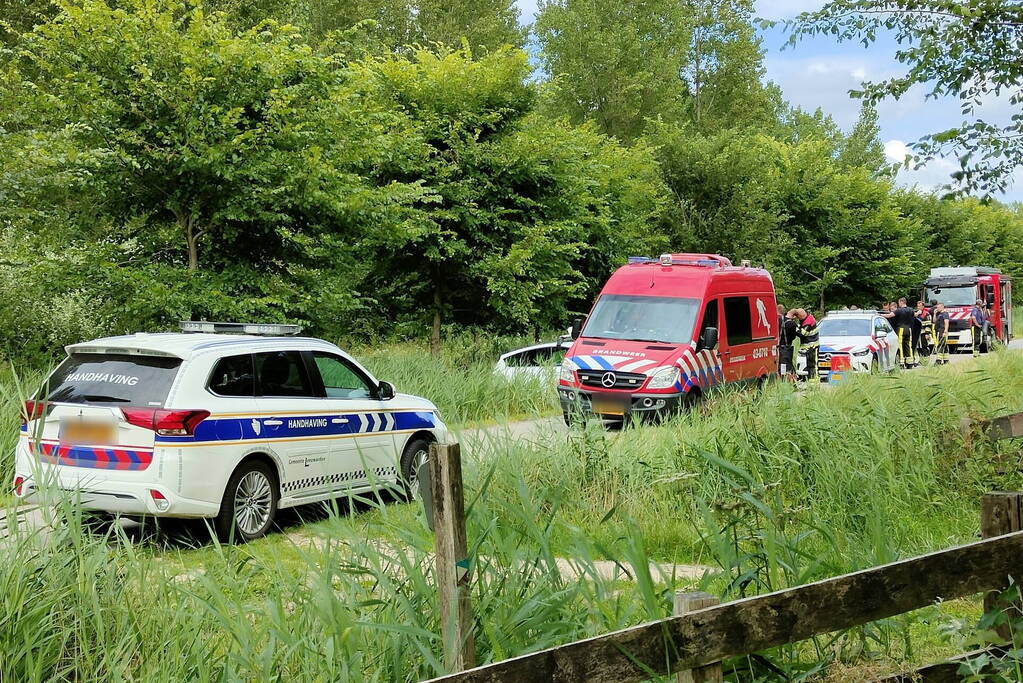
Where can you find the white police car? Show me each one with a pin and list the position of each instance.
(865, 340)
(230, 427)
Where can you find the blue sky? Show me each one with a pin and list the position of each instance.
(819, 72)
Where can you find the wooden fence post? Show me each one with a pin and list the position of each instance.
(1001, 513)
(452, 557)
(690, 602)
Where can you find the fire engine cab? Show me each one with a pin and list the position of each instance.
(665, 331)
(959, 289)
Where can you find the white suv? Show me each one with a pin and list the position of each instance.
(230, 427)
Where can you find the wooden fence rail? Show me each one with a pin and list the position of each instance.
(706, 636)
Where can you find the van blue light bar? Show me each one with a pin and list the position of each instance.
(268, 329)
(642, 259)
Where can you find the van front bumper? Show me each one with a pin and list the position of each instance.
(619, 406)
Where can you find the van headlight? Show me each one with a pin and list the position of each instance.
(567, 372)
(861, 354)
(663, 379)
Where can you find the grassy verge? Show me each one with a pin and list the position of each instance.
(461, 380)
(770, 490)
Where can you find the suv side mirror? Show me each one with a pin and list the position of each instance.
(709, 338)
(385, 391)
(576, 329)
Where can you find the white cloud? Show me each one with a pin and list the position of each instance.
(896, 151)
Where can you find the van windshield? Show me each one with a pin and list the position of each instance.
(112, 379)
(643, 318)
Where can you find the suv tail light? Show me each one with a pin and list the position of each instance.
(166, 422)
(19, 485)
(33, 410)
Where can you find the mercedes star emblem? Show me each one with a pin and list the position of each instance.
(608, 380)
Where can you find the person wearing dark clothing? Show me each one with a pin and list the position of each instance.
(809, 338)
(902, 320)
(920, 316)
(786, 339)
(978, 325)
(941, 323)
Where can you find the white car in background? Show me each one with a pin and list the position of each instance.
(864, 337)
(229, 427)
(540, 361)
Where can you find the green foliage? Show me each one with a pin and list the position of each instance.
(236, 140)
(520, 214)
(621, 65)
(965, 50)
(318, 188)
(830, 233)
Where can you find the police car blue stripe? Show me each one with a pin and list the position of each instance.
(245, 429)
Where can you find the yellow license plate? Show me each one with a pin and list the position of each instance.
(609, 405)
(87, 432)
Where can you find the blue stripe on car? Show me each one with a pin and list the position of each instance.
(214, 429)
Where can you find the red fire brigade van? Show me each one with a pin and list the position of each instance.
(959, 289)
(665, 331)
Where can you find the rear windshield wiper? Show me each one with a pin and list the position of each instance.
(105, 399)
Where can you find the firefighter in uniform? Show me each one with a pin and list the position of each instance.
(902, 320)
(941, 324)
(809, 339)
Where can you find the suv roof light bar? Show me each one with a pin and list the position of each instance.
(263, 329)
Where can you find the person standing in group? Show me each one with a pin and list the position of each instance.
(941, 323)
(921, 317)
(784, 354)
(902, 319)
(809, 338)
(978, 325)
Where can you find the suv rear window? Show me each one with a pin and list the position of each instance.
(113, 379)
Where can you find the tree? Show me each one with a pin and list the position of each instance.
(723, 66)
(828, 233)
(485, 25)
(622, 64)
(246, 143)
(521, 215)
(615, 63)
(381, 26)
(965, 49)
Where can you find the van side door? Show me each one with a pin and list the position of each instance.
(737, 339)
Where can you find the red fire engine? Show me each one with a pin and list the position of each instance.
(959, 289)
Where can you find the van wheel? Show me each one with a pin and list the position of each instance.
(415, 454)
(250, 503)
(875, 365)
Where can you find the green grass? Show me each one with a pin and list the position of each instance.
(771, 490)
(461, 381)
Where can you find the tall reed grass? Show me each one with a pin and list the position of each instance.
(768, 490)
